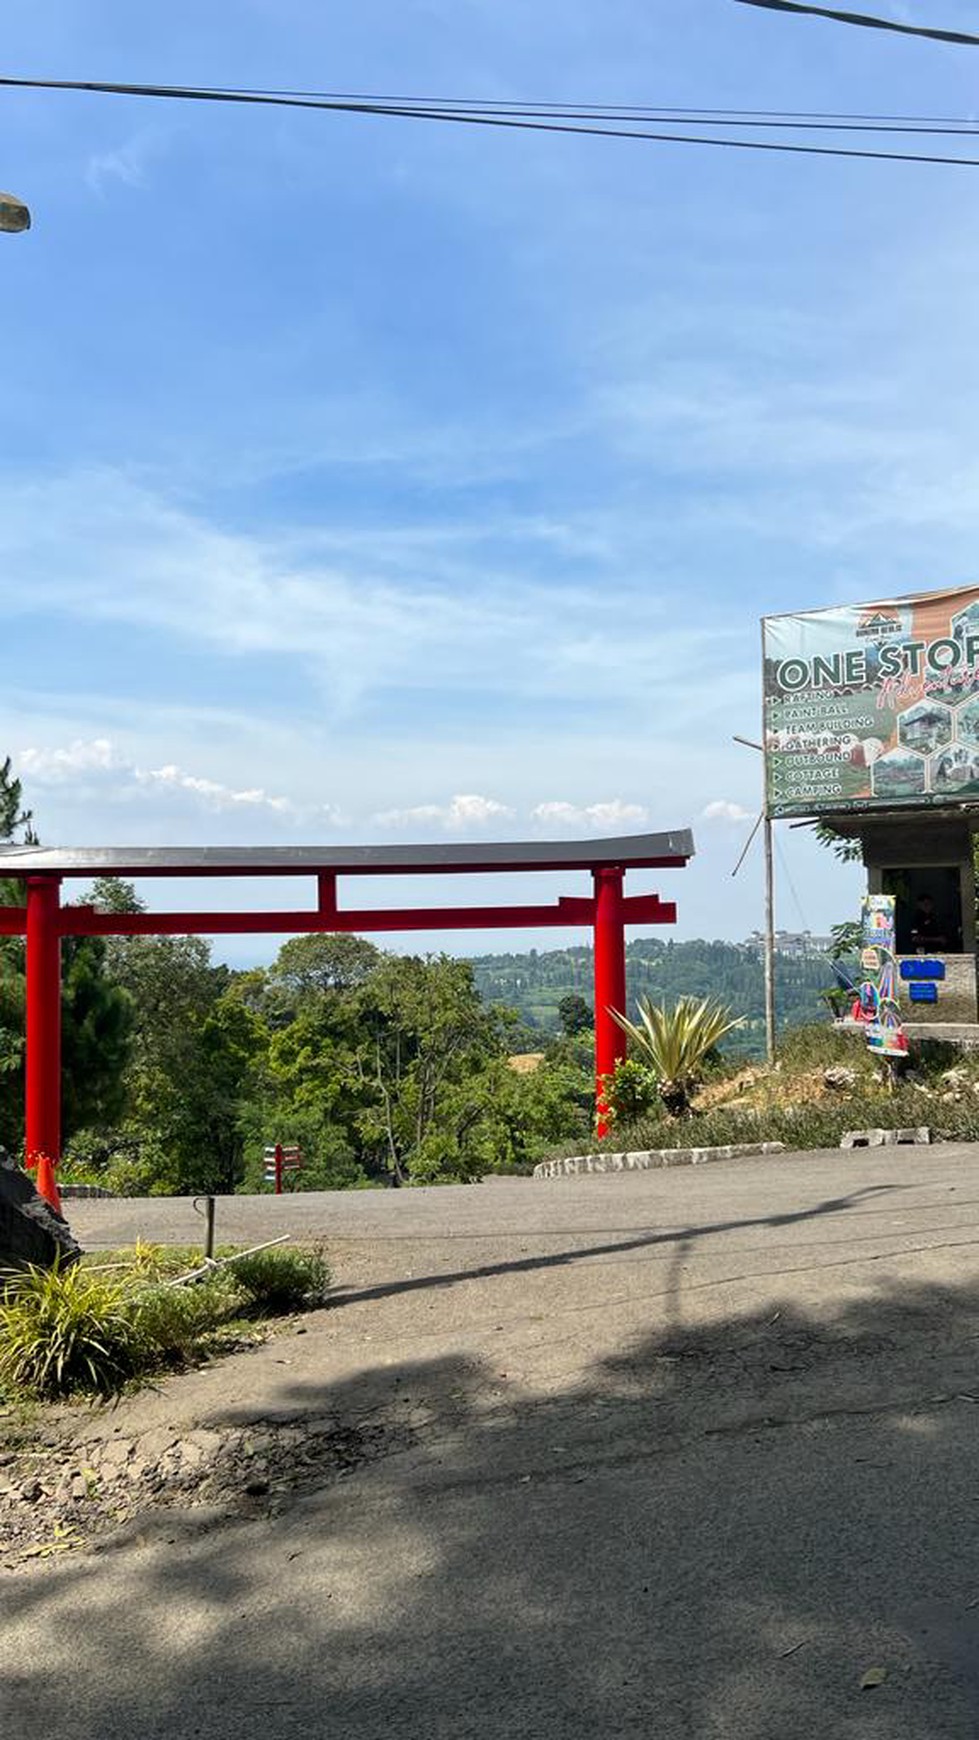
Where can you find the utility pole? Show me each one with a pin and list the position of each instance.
(769, 945)
(766, 822)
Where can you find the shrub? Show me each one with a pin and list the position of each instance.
(280, 1280)
(631, 1092)
(170, 1323)
(64, 1329)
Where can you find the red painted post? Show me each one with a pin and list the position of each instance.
(278, 1168)
(42, 1134)
(610, 1041)
(326, 884)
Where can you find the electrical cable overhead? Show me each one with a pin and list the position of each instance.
(866, 20)
(801, 118)
(553, 119)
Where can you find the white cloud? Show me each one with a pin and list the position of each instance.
(211, 792)
(446, 613)
(466, 810)
(127, 163)
(54, 766)
(696, 417)
(472, 811)
(87, 759)
(613, 814)
(723, 810)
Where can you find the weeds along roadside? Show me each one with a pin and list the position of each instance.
(94, 1326)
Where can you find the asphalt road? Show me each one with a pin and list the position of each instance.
(691, 1452)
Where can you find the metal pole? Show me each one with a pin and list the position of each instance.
(749, 743)
(278, 1168)
(610, 1043)
(209, 1227)
(769, 945)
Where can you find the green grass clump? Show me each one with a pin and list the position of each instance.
(64, 1329)
(283, 1280)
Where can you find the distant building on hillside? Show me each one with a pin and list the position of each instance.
(797, 944)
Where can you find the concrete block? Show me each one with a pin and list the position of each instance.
(916, 1137)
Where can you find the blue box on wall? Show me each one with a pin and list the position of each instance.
(919, 969)
(923, 991)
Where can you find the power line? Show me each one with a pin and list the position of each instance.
(486, 118)
(800, 119)
(867, 21)
(439, 108)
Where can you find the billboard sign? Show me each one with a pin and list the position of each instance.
(873, 706)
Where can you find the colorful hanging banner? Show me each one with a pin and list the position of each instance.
(877, 1004)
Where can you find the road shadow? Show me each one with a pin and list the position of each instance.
(686, 1238)
(716, 1533)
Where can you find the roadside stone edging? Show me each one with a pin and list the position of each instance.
(78, 1192)
(914, 1137)
(652, 1159)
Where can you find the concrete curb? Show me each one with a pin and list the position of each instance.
(82, 1192)
(917, 1137)
(652, 1159)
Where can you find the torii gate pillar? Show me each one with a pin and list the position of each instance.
(610, 1041)
(42, 1110)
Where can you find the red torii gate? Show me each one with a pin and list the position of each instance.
(44, 921)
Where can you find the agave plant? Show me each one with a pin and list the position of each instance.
(676, 1042)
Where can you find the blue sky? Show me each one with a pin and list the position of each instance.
(368, 479)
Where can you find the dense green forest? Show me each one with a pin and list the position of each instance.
(534, 983)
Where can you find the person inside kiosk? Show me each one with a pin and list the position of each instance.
(927, 931)
(928, 916)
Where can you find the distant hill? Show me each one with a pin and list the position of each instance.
(534, 983)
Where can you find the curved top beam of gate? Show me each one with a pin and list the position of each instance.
(631, 851)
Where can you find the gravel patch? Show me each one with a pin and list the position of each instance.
(56, 1497)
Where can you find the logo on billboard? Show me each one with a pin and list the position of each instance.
(880, 622)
